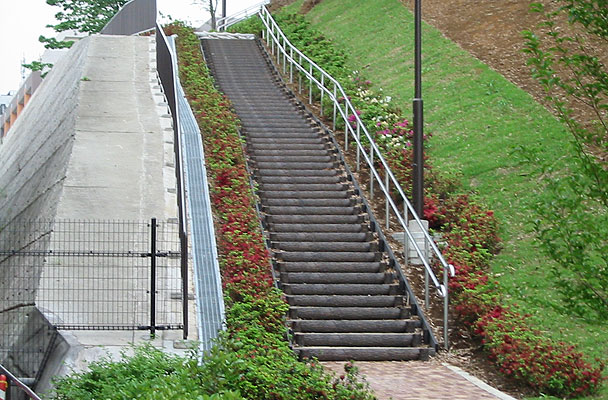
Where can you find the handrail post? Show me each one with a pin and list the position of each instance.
(335, 106)
(284, 57)
(358, 147)
(406, 244)
(372, 168)
(300, 76)
(387, 186)
(322, 92)
(426, 289)
(446, 304)
(291, 65)
(310, 83)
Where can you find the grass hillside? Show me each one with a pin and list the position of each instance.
(480, 124)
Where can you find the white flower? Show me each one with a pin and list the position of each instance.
(388, 99)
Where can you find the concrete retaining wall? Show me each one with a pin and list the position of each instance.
(94, 143)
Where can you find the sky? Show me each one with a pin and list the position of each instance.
(23, 21)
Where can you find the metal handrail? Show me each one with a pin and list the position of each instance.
(276, 40)
(223, 23)
(29, 392)
(355, 132)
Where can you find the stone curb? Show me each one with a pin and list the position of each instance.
(479, 383)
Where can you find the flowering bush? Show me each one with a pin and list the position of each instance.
(525, 355)
(252, 357)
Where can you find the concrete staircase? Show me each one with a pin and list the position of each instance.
(346, 301)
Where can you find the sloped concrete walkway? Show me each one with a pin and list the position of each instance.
(414, 380)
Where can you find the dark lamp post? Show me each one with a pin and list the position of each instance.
(418, 162)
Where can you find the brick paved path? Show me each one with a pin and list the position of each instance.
(415, 380)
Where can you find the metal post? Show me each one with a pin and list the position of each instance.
(418, 182)
(371, 169)
(346, 126)
(184, 267)
(335, 102)
(387, 187)
(300, 75)
(291, 65)
(446, 303)
(358, 146)
(153, 277)
(406, 242)
(426, 289)
(223, 14)
(322, 86)
(310, 84)
(284, 56)
(426, 257)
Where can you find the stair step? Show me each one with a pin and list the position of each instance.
(279, 210)
(303, 202)
(307, 187)
(358, 339)
(289, 152)
(305, 194)
(315, 219)
(345, 301)
(257, 146)
(347, 313)
(319, 266)
(318, 228)
(320, 237)
(285, 141)
(289, 158)
(281, 133)
(365, 353)
(299, 179)
(328, 256)
(350, 289)
(351, 326)
(295, 165)
(336, 277)
(322, 247)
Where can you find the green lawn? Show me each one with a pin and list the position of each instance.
(480, 122)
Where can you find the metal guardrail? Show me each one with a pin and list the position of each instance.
(134, 17)
(17, 382)
(167, 71)
(225, 22)
(289, 57)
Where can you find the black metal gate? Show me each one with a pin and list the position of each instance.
(94, 275)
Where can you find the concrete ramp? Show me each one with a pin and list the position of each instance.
(95, 142)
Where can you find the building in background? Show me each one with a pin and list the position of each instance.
(13, 103)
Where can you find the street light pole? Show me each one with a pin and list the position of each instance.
(418, 162)
(223, 12)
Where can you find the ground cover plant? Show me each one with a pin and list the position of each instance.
(549, 366)
(252, 358)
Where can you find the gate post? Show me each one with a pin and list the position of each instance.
(153, 278)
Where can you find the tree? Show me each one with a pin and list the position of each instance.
(572, 212)
(88, 16)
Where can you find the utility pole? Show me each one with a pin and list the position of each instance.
(223, 12)
(418, 162)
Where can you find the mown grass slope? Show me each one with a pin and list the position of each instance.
(482, 125)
